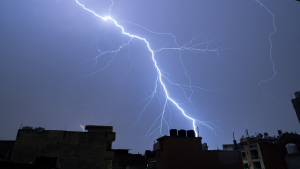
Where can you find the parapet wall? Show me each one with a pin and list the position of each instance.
(72, 149)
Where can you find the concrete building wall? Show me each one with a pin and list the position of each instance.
(72, 149)
(177, 152)
(271, 152)
(273, 155)
(292, 161)
(180, 152)
(252, 158)
(155, 146)
(261, 157)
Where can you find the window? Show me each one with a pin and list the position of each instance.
(162, 146)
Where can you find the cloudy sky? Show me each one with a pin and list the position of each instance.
(53, 75)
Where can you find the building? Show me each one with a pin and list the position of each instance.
(296, 104)
(251, 150)
(150, 159)
(124, 160)
(65, 149)
(264, 151)
(185, 151)
(150, 156)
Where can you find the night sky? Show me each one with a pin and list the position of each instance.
(47, 60)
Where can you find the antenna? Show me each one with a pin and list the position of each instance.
(234, 142)
(247, 135)
(21, 125)
(198, 131)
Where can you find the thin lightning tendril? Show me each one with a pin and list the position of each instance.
(270, 56)
(265, 80)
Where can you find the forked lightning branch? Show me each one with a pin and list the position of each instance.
(161, 79)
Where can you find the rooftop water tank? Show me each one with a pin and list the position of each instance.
(292, 148)
(190, 133)
(181, 133)
(173, 132)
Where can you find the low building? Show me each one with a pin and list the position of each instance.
(185, 151)
(264, 151)
(150, 159)
(125, 160)
(65, 149)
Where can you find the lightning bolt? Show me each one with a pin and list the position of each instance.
(161, 75)
(159, 80)
(83, 126)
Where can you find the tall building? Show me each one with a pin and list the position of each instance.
(263, 151)
(65, 149)
(252, 151)
(296, 104)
